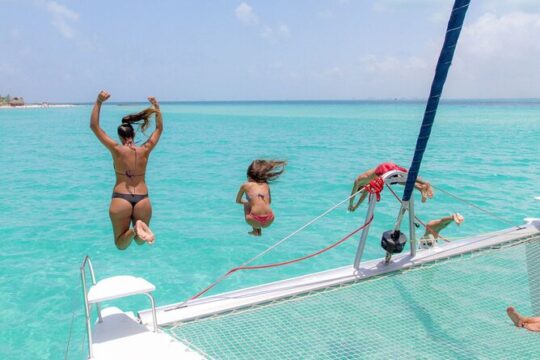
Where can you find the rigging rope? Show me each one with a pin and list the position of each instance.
(282, 263)
(475, 206)
(375, 186)
(312, 221)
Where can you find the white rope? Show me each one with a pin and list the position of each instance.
(222, 277)
(301, 228)
(474, 206)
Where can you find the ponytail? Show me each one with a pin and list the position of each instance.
(143, 116)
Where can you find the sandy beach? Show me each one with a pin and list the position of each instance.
(35, 106)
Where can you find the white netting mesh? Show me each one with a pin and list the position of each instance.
(450, 309)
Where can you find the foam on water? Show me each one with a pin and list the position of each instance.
(57, 181)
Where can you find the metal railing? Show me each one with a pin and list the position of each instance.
(390, 178)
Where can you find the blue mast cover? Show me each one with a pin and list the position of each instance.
(445, 60)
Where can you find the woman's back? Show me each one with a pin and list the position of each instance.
(130, 167)
(258, 195)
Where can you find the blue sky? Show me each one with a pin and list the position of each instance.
(65, 51)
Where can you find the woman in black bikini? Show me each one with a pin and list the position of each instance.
(130, 204)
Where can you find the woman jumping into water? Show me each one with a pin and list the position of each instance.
(258, 199)
(363, 179)
(130, 204)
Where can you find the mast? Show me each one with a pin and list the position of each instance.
(443, 65)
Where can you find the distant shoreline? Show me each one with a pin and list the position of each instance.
(452, 101)
(37, 106)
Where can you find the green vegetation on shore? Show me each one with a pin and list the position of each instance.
(12, 101)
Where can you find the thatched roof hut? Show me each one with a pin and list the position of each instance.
(16, 101)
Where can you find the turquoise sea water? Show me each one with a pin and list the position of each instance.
(57, 180)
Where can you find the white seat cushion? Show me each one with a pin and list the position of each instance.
(118, 286)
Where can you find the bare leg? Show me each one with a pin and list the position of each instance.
(120, 212)
(532, 326)
(255, 232)
(425, 189)
(434, 227)
(255, 227)
(360, 181)
(142, 213)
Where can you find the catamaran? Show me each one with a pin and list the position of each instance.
(363, 310)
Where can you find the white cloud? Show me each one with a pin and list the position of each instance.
(497, 57)
(246, 15)
(61, 11)
(490, 35)
(506, 6)
(269, 33)
(283, 30)
(62, 18)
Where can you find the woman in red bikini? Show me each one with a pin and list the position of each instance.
(363, 179)
(258, 199)
(130, 204)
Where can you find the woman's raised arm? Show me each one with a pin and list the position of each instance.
(154, 138)
(94, 122)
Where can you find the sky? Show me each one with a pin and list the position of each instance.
(66, 51)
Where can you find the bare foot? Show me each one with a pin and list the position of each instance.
(458, 218)
(426, 191)
(255, 232)
(514, 316)
(143, 232)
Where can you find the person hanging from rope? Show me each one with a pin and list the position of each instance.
(363, 179)
(529, 323)
(434, 227)
(257, 210)
(130, 204)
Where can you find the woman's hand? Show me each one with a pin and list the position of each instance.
(153, 101)
(103, 96)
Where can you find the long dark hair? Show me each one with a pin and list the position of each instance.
(263, 171)
(142, 118)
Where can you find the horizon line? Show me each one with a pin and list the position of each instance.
(292, 100)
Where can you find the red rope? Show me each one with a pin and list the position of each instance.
(282, 263)
(375, 186)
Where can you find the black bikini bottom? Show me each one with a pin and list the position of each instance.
(131, 198)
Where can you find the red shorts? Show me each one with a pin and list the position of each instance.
(385, 167)
(261, 219)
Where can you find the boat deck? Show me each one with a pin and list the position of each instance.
(225, 302)
(121, 336)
